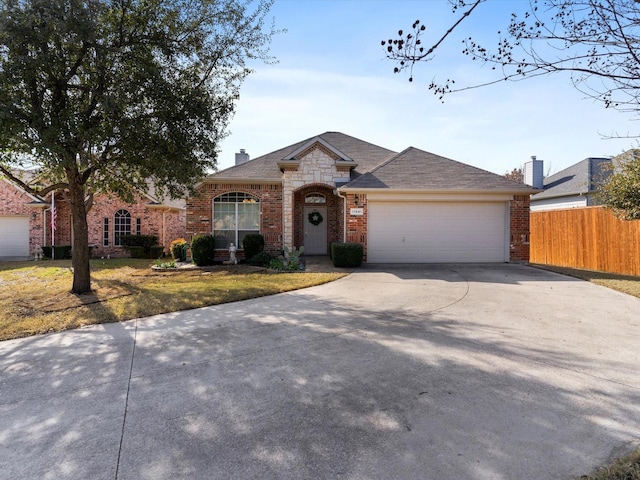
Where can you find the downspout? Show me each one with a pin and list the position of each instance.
(164, 233)
(344, 220)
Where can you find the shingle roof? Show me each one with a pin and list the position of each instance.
(416, 169)
(578, 179)
(365, 154)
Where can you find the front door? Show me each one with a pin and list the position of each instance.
(315, 230)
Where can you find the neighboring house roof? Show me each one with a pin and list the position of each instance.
(579, 179)
(416, 169)
(30, 177)
(364, 154)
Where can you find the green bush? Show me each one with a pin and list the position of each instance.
(203, 250)
(157, 251)
(61, 252)
(136, 251)
(139, 241)
(144, 241)
(252, 244)
(347, 255)
(262, 259)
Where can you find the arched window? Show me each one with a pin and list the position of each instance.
(235, 215)
(121, 225)
(315, 198)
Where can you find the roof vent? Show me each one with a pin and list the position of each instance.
(242, 157)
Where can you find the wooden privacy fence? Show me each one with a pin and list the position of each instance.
(590, 238)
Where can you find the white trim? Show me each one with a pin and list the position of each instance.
(397, 196)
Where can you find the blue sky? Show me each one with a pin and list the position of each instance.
(332, 75)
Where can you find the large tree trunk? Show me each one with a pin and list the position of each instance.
(80, 258)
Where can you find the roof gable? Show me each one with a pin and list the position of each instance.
(265, 168)
(415, 169)
(331, 150)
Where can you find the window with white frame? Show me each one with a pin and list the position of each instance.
(121, 225)
(235, 215)
(105, 232)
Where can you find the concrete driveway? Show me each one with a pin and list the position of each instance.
(430, 372)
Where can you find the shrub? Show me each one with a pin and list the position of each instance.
(262, 259)
(347, 255)
(156, 251)
(136, 251)
(203, 250)
(143, 241)
(61, 252)
(178, 249)
(252, 244)
(277, 264)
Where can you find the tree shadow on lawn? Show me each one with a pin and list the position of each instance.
(301, 386)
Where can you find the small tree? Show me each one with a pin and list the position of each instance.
(517, 175)
(620, 191)
(109, 95)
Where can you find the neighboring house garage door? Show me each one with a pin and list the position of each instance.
(14, 236)
(436, 232)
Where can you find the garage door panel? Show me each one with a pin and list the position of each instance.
(431, 232)
(14, 236)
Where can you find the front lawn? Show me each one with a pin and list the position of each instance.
(35, 297)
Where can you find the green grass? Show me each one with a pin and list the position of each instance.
(35, 297)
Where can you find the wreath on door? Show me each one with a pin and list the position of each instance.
(315, 218)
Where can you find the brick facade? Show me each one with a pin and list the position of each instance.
(317, 167)
(519, 216)
(200, 212)
(316, 170)
(335, 213)
(165, 223)
(519, 225)
(357, 224)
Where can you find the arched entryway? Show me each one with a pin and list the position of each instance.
(317, 213)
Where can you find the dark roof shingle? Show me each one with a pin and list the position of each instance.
(416, 169)
(265, 167)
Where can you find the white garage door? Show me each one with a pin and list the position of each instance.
(14, 236)
(437, 232)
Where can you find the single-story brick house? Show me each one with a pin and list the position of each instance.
(25, 221)
(406, 207)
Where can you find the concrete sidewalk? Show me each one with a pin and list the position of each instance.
(430, 372)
